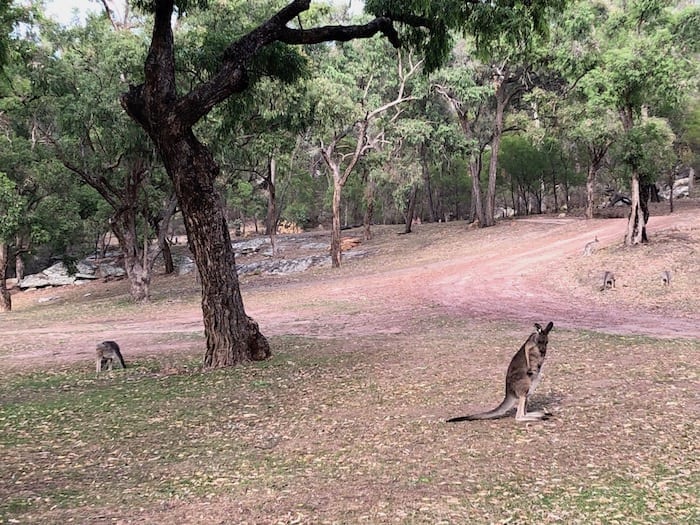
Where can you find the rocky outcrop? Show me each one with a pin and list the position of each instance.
(58, 274)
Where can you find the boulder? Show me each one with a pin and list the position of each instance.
(56, 275)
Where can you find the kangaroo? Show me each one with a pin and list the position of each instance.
(608, 281)
(523, 376)
(590, 246)
(107, 352)
(666, 277)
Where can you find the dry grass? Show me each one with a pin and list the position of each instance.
(339, 429)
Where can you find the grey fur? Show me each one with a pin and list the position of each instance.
(106, 353)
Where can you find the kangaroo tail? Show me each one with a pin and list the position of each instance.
(119, 355)
(501, 410)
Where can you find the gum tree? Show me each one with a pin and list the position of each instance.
(644, 67)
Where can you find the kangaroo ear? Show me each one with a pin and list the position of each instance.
(549, 327)
(538, 327)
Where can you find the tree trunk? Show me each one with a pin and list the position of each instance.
(477, 203)
(634, 223)
(160, 225)
(19, 267)
(271, 217)
(370, 187)
(167, 258)
(493, 164)
(425, 169)
(5, 298)
(336, 255)
(123, 225)
(232, 336)
(590, 182)
(411, 209)
(691, 181)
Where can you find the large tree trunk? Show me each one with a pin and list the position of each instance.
(336, 254)
(501, 102)
(635, 223)
(5, 299)
(232, 336)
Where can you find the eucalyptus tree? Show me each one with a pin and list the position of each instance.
(464, 84)
(83, 70)
(355, 106)
(42, 206)
(642, 65)
(169, 116)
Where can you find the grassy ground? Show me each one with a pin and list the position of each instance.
(345, 424)
(338, 431)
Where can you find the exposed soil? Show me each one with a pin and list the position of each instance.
(526, 270)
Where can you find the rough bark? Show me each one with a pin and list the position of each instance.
(596, 154)
(336, 254)
(232, 336)
(370, 189)
(411, 208)
(5, 298)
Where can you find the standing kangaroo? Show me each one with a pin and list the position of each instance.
(590, 246)
(107, 352)
(521, 379)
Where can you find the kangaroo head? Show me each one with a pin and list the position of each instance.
(541, 334)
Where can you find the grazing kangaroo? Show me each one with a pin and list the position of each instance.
(666, 277)
(608, 281)
(521, 379)
(590, 246)
(107, 352)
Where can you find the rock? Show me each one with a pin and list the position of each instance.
(185, 265)
(250, 246)
(283, 266)
(110, 270)
(56, 275)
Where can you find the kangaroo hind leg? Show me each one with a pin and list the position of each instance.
(523, 415)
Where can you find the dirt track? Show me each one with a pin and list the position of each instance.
(497, 274)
